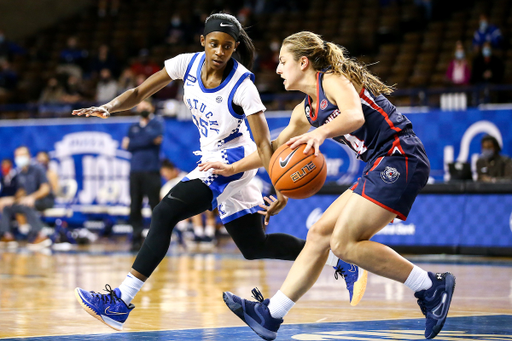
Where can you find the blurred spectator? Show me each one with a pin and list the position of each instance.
(72, 58)
(270, 57)
(176, 31)
(73, 92)
(52, 93)
(126, 81)
(43, 159)
(103, 60)
(7, 174)
(106, 89)
(458, 72)
(143, 141)
(492, 166)
(171, 174)
(33, 193)
(487, 68)
(8, 48)
(143, 65)
(8, 80)
(486, 32)
(139, 79)
(103, 7)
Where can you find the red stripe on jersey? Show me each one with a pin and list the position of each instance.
(399, 215)
(397, 145)
(380, 110)
(377, 162)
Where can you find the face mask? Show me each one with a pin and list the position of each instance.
(483, 25)
(21, 161)
(487, 153)
(486, 52)
(144, 114)
(459, 54)
(2, 38)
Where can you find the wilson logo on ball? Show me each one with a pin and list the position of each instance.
(303, 172)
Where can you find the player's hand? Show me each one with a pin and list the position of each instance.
(100, 112)
(312, 140)
(218, 167)
(274, 206)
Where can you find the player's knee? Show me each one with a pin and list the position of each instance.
(318, 235)
(163, 216)
(342, 249)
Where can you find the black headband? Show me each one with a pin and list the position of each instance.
(221, 25)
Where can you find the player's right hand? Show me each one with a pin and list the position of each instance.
(218, 168)
(100, 112)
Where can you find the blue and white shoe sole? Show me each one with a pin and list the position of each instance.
(105, 319)
(239, 311)
(450, 283)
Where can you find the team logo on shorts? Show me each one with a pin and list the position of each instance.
(323, 104)
(218, 99)
(389, 175)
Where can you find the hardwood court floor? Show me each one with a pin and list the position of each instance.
(184, 296)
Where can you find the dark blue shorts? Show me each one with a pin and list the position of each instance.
(396, 175)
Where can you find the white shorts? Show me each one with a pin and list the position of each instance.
(237, 195)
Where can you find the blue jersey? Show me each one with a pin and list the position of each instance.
(383, 123)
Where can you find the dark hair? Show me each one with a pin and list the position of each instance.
(166, 163)
(494, 142)
(326, 55)
(245, 49)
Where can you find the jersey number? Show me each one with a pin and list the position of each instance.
(356, 144)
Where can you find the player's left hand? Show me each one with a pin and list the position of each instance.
(312, 140)
(100, 112)
(274, 206)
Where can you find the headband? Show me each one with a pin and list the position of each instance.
(221, 25)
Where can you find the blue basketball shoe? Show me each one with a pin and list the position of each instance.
(255, 314)
(435, 302)
(108, 308)
(355, 277)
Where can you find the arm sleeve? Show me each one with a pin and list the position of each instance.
(177, 66)
(248, 97)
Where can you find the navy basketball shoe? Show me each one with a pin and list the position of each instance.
(255, 314)
(108, 308)
(435, 302)
(355, 278)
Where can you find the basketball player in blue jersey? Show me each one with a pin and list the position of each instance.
(345, 102)
(220, 94)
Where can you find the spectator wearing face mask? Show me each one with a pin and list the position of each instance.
(486, 32)
(33, 193)
(458, 72)
(487, 68)
(492, 166)
(106, 89)
(143, 141)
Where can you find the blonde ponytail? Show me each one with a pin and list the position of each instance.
(333, 58)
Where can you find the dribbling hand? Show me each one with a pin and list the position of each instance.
(312, 140)
(100, 112)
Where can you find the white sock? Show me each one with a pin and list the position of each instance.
(418, 280)
(332, 260)
(209, 231)
(280, 305)
(130, 287)
(198, 230)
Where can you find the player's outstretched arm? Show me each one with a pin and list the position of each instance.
(129, 98)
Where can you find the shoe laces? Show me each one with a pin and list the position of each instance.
(422, 307)
(111, 295)
(256, 293)
(339, 272)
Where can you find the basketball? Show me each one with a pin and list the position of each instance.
(295, 174)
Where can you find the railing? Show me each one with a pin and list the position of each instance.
(421, 97)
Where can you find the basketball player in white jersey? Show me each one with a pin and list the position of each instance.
(220, 93)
